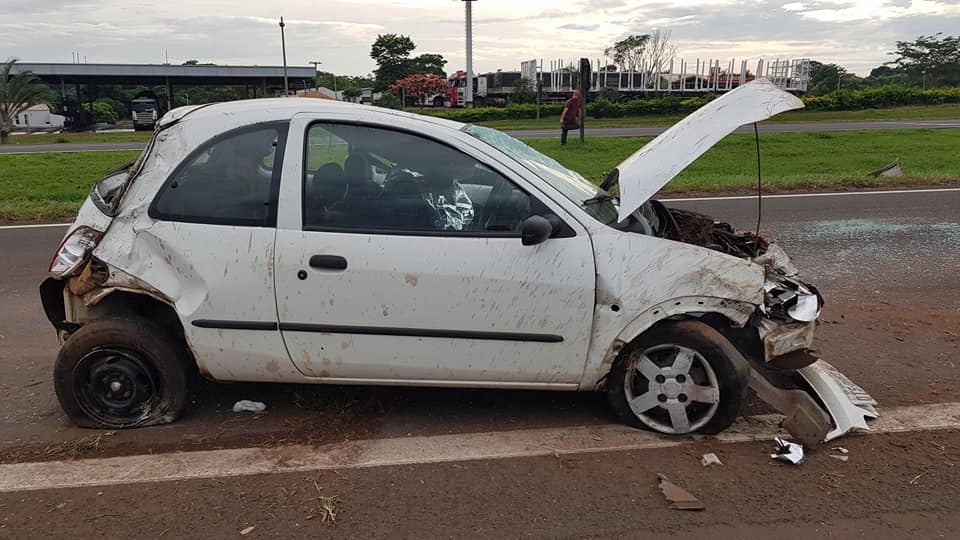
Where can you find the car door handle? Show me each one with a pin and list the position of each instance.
(328, 262)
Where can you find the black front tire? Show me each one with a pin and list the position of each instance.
(122, 373)
(730, 367)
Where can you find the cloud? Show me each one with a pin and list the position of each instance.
(584, 27)
(855, 33)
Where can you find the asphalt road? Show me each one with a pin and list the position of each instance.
(886, 263)
(548, 133)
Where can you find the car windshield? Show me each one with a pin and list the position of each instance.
(572, 185)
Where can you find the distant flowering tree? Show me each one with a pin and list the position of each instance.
(419, 87)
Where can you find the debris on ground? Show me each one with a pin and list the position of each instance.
(710, 459)
(839, 457)
(917, 477)
(788, 451)
(679, 498)
(327, 507)
(248, 530)
(840, 449)
(893, 170)
(245, 405)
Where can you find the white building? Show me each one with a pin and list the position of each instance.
(38, 118)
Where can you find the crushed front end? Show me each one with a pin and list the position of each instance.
(820, 403)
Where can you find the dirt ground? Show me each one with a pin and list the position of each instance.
(876, 345)
(893, 486)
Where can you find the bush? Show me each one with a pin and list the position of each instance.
(880, 97)
(388, 101)
(102, 112)
(870, 98)
(604, 108)
(609, 94)
(513, 111)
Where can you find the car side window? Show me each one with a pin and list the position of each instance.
(231, 180)
(379, 180)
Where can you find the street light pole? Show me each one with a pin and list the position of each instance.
(283, 44)
(316, 65)
(468, 91)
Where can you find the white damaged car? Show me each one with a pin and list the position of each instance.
(309, 241)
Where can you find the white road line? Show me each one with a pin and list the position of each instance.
(803, 195)
(34, 226)
(413, 450)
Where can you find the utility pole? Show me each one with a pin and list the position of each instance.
(316, 67)
(468, 91)
(283, 44)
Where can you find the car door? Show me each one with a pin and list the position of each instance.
(406, 266)
(214, 223)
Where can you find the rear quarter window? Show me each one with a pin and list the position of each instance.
(231, 180)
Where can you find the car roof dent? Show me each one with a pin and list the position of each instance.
(660, 160)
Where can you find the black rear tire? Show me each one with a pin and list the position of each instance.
(122, 373)
(731, 370)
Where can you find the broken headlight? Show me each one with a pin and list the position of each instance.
(789, 299)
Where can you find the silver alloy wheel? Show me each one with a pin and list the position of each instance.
(672, 389)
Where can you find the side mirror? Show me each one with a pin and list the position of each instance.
(535, 229)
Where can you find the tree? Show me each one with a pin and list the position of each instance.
(523, 92)
(930, 60)
(391, 52)
(883, 71)
(657, 53)
(101, 112)
(627, 52)
(419, 87)
(351, 93)
(18, 92)
(428, 64)
(824, 77)
(191, 62)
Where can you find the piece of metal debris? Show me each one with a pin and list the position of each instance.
(245, 405)
(679, 498)
(788, 451)
(839, 457)
(841, 449)
(710, 459)
(248, 530)
(893, 170)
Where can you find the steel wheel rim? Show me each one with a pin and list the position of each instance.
(116, 387)
(672, 389)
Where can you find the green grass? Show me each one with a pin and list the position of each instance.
(931, 112)
(790, 160)
(78, 138)
(43, 187)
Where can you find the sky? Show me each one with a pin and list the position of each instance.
(857, 34)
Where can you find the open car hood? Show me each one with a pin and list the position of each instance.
(659, 161)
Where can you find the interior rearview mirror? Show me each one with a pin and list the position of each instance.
(535, 230)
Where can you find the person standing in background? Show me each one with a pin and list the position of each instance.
(571, 116)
